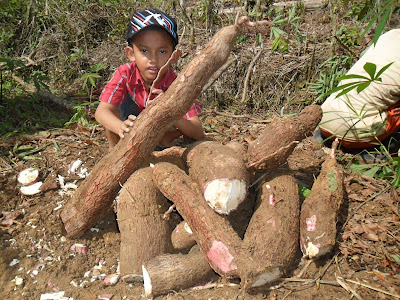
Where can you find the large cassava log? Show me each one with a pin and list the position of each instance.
(217, 240)
(319, 211)
(144, 232)
(278, 140)
(95, 195)
(220, 172)
(174, 272)
(273, 231)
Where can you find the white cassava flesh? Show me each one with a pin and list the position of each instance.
(148, 289)
(187, 228)
(28, 176)
(224, 195)
(31, 189)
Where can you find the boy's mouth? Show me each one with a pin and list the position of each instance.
(153, 70)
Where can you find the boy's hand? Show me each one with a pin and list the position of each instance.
(156, 92)
(126, 126)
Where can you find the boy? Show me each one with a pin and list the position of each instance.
(152, 38)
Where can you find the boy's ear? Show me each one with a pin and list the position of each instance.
(129, 53)
(175, 56)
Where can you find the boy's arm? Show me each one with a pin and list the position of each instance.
(190, 127)
(108, 115)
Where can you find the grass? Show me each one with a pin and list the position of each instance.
(27, 115)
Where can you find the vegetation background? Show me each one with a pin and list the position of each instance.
(70, 48)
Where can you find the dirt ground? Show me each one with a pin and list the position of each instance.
(39, 261)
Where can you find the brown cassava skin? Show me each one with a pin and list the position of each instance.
(96, 193)
(182, 239)
(278, 140)
(175, 272)
(210, 161)
(144, 232)
(319, 211)
(219, 243)
(273, 231)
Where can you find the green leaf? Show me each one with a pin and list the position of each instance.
(359, 169)
(396, 258)
(363, 86)
(370, 68)
(383, 70)
(372, 172)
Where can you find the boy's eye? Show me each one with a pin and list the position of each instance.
(144, 50)
(163, 51)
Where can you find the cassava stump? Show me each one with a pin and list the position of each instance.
(279, 138)
(182, 237)
(221, 173)
(273, 231)
(319, 211)
(174, 272)
(144, 232)
(217, 240)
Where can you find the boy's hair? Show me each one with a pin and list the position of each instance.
(152, 18)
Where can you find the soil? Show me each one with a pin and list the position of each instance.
(37, 258)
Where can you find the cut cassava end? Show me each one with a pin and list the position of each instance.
(217, 240)
(30, 190)
(182, 237)
(28, 176)
(174, 272)
(319, 211)
(222, 174)
(279, 138)
(144, 232)
(96, 193)
(273, 231)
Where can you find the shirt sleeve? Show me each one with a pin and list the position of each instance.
(115, 90)
(195, 110)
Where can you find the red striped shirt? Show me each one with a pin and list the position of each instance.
(128, 80)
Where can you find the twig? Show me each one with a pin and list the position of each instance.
(301, 273)
(246, 79)
(218, 74)
(168, 212)
(166, 65)
(348, 288)
(212, 286)
(373, 288)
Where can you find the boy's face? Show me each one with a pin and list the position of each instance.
(150, 49)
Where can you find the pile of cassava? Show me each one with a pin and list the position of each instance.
(219, 226)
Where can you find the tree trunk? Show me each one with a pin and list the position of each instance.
(144, 232)
(95, 195)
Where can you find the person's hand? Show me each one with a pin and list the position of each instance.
(126, 126)
(156, 92)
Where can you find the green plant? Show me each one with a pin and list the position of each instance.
(333, 68)
(277, 34)
(364, 82)
(379, 13)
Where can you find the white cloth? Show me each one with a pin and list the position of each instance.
(351, 116)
